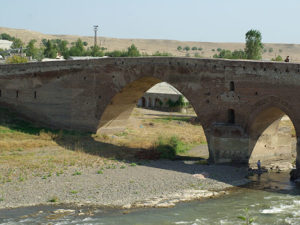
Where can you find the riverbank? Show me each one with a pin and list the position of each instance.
(270, 198)
(160, 183)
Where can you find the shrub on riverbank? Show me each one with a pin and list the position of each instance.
(168, 148)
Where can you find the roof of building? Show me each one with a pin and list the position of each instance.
(164, 88)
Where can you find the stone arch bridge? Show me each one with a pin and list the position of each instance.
(235, 101)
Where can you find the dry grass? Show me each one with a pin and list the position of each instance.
(146, 127)
(28, 150)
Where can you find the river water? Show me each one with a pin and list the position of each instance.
(270, 199)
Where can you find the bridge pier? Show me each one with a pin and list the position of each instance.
(228, 144)
(295, 173)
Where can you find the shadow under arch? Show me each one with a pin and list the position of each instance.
(115, 117)
(119, 109)
(267, 142)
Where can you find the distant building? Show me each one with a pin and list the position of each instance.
(5, 44)
(85, 57)
(159, 95)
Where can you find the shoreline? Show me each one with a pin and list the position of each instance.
(154, 184)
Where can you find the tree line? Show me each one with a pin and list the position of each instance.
(54, 47)
(51, 48)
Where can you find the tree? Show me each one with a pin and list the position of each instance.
(194, 48)
(17, 43)
(133, 51)
(179, 48)
(96, 52)
(5, 36)
(186, 48)
(31, 50)
(44, 42)
(116, 53)
(50, 50)
(77, 49)
(238, 54)
(254, 45)
(63, 49)
(226, 54)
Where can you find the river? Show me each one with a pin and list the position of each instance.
(270, 199)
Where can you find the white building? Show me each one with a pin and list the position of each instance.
(5, 44)
(158, 96)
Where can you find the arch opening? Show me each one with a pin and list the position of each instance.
(149, 114)
(273, 140)
(231, 116)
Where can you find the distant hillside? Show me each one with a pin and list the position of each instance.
(150, 46)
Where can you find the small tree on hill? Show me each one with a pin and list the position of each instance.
(77, 49)
(179, 48)
(17, 43)
(277, 58)
(254, 44)
(50, 50)
(133, 51)
(186, 48)
(5, 36)
(31, 50)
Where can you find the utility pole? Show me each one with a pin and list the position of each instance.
(95, 30)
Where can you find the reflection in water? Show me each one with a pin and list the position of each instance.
(271, 198)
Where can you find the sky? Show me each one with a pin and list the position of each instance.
(185, 20)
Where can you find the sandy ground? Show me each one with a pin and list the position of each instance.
(160, 183)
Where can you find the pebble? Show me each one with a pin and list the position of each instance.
(160, 183)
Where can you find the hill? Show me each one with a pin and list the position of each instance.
(150, 46)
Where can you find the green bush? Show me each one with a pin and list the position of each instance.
(179, 48)
(197, 55)
(170, 147)
(16, 59)
(186, 48)
(277, 58)
(227, 54)
(194, 48)
(179, 103)
(157, 53)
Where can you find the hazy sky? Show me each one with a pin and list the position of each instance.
(190, 20)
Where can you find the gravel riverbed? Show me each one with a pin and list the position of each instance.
(160, 183)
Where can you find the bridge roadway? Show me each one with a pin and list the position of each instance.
(239, 103)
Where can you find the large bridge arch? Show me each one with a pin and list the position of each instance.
(266, 142)
(122, 103)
